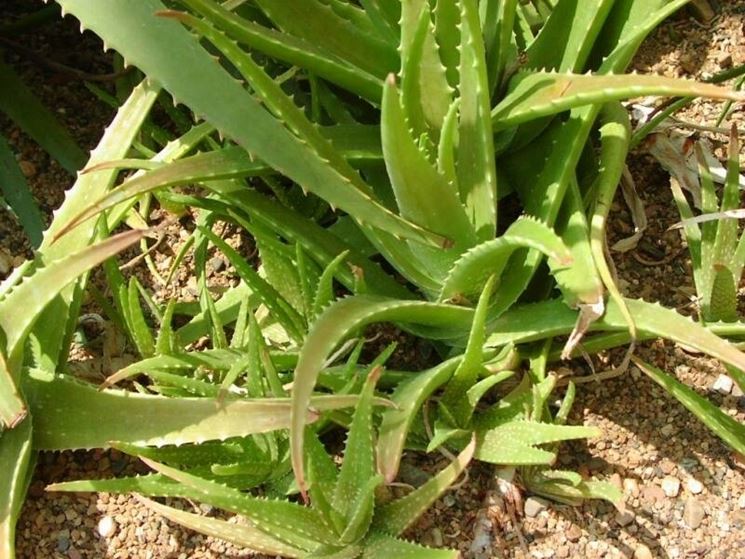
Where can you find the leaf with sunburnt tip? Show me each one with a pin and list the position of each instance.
(472, 269)
(242, 534)
(395, 517)
(536, 94)
(516, 442)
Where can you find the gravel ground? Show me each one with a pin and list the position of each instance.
(684, 490)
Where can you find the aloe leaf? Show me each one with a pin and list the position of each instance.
(359, 462)
(409, 397)
(395, 517)
(536, 94)
(290, 523)
(565, 41)
(291, 49)
(426, 94)
(470, 272)
(615, 136)
(514, 443)
(547, 319)
(325, 291)
(50, 340)
(723, 302)
(16, 457)
(354, 197)
(12, 406)
(22, 305)
(25, 109)
(189, 73)
(423, 195)
(246, 535)
(72, 415)
(454, 398)
(477, 177)
(447, 32)
(17, 194)
(725, 427)
(317, 23)
(328, 330)
(500, 50)
(382, 546)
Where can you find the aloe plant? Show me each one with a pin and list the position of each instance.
(361, 132)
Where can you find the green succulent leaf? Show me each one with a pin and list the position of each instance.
(515, 442)
(16, 458)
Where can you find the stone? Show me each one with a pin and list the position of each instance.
(671, 486)
(574, 533)
(624, 518)
(741, 501)
(631, 487)
(652, 493)
(694, 486)
(737, 391)
(106, 527)
(63, 543)
(723, 384)
(693, 513)
(724, 60)
(534, 506)
(667, 429)
(27, 168)
(643, 552)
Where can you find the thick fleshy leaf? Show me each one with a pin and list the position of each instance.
(15, 463)
(515, 442)
(536, 94)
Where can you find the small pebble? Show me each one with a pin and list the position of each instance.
(574, 533)
(643, 552)
(106, 526)
(737, 391)
(63, 544)
(534, 506)
(723, 384)
(695, 486)
(671, 486)
(693, 513)
(624, 518)
(74, 554)
(741, 501)
(631, 487)
(724, 60)
(28, 169)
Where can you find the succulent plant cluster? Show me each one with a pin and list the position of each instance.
(447, 165)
